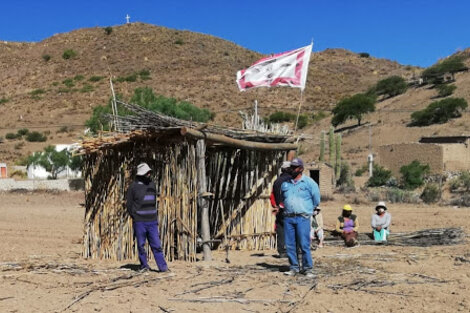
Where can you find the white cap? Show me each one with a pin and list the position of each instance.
(285, 164)
(143, 169)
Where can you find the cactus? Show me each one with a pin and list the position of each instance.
(338, 156)
(322, 146)
(331, 145)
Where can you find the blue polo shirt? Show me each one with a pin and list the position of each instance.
(300, 197)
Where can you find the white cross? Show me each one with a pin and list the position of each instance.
(127, 18)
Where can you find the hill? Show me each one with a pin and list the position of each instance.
(43, 91)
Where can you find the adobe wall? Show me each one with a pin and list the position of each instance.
(395, 156)
(456, 156)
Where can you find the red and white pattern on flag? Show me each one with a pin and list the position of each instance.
(282, 69)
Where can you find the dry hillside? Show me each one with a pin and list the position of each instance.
(186, 65)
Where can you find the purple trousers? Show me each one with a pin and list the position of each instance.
(149, 231)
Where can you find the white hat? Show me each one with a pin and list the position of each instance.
(143, 169)
(381, 204)
(285, 164)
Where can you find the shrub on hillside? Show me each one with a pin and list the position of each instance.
(37, 92)
(144, 74)
(391, 86)
(281, 117)
(445, 90)
(78, 77)
(68, 82)
(451, 65)
(439, 112)
(413, 174)
(87, 88)
(364, 54)
(11, 136)
(46, 57)
(69, 54)
(95, 78)
(35, 137)
(380, 176)
(353, 107)
(431, 193)
(108, 30)
(129, 78)
(179, 41)
(345, 181)
(22, 132)
(4, 100)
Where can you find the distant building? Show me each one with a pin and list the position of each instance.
(324, 175)
(442, 154)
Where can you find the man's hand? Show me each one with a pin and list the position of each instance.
(275, 210)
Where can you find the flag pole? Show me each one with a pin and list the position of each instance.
(298, 111)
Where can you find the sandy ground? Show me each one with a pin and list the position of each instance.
(42, 269)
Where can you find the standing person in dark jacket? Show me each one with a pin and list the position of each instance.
(142, 207)
(277, 204)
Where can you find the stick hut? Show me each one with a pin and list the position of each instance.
(239, 167)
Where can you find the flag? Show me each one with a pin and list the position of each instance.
(283, 69)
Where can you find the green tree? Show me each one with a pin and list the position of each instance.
(391, 86)
(353, 107)
(439, 112)
(380, 176)
(445, 90)
(450, 65)
(52, 160)
(108, 30)
(413, 174)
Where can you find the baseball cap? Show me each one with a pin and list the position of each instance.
(143, 169)
(297, 162)
(347, 207)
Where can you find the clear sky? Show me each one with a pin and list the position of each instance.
(417, 32)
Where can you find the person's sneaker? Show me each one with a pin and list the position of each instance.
(291, 273)
(309, 274)
(144, 269)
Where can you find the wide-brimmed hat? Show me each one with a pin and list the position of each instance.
(143, 169)
(381, 204)
(347, 207)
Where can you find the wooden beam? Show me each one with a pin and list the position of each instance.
(237, 143)
(202, 200)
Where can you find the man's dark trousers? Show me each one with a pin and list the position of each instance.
(281, 244)
(149, 231)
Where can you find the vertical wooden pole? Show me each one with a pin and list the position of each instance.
(203, 204)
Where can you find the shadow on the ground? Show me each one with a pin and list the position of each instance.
(274, 267)
(132, 267)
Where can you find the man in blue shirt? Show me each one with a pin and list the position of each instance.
(301, 196)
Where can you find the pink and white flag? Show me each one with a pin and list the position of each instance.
(283, 69)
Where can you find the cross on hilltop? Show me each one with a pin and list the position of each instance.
(127, 18)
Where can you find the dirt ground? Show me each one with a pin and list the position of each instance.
(42, 269)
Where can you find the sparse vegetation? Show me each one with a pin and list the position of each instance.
(37, 92)
(353, 107)
(413, 174)
(11, 136)
(35, 137)
(431, 193)
(108, 30)
(22, 132)
(461, 183)
(87, 88)
(360, 171)
(78, 77)
(130, 78)
(55, 84)
(439, 112)
(4, 100)
(445, 90)
(179, 41)
(364, 54)
(380, 176)
(96, 78)
(46, 57)
(144, 74)
(63, 129)
(283, 117)
(69, 54)
(319, 116)
(391, 86)
(68, 82)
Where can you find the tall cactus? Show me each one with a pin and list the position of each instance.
(331, 145)
(338, 156)
(322, 146)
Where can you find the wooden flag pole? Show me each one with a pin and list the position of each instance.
(298, 111)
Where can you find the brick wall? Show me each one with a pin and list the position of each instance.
(395, 156)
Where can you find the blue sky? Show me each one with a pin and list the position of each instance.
(415, 32)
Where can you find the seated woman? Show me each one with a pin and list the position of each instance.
(380, 222)
(316, 232)
(347, 225)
